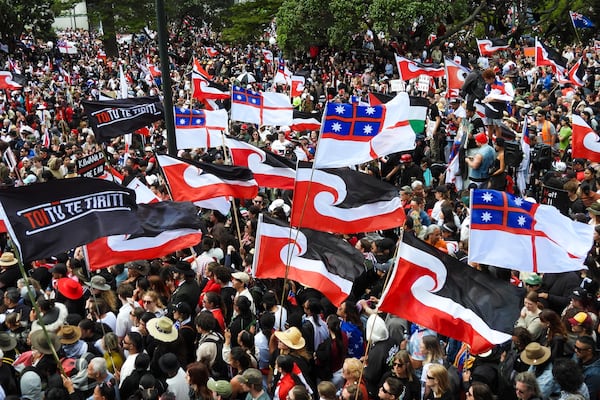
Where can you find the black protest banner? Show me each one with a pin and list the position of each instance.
(113, 118)
(48, 218)
(91, 165)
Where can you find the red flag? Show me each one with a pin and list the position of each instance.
(168, 227)
(586, 143)
(199, 69)
(439, 292)
(315, 259)
(269, 169)
(341, 200)
(305, 121)
(545, 55)
(193, 181)
(203, 88)
(487, 47)
(6, 81)
(411, 69)
(455, 77)
(297, 86)
(211, 51)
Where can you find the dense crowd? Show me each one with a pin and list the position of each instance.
(199, 326)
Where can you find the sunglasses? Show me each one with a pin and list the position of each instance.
(398, 364)
(383, 390)
(579, 349)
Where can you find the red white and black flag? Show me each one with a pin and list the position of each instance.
(114, 118)
(546, 55)
(410, 69)
(270, 170)
(437, 291)
(342, 200)
(194, 180)
(487, 47)
(315, 259)
(167, 227)
(306, 121)
(49, 218)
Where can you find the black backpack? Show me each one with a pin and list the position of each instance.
(513, 154)
(220, 369)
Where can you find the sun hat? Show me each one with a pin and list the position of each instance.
(7, 342)
(7, 259)
(292, 338)
(168, 363)
(222, 388)
(533, 280)
(162, 329)
(98, 282)
(241, 276)
(520, 103)
(581, 318)
(252, 376)
(39, 342)
(69, 288)
(69, 334)
(535, 354)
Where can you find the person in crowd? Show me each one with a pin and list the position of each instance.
(197, 375)
(438, 383)
(526, 386)
(530, 316)
(403, 370)
(540, 364)
(480, 163)
(587, 356)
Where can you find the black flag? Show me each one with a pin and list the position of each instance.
(113, 118)
(48, 218)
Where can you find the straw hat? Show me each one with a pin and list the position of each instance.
(535, 354)
(292, 338)
(7, 259)
(69, 334)
(162, 329)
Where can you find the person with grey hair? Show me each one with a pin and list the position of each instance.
(526, 386)
(84, 383)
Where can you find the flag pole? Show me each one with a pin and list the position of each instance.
(234, 208)
(38, 314)
(387, 278)
(575, 28)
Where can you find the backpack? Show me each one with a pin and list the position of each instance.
(220, 369)
(513, 154)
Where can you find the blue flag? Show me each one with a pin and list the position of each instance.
(580, 20)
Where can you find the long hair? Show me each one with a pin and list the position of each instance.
(432, 348)
(440, 373)
(199, 375)
(556, 326)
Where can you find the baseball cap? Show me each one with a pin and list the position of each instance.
(252, 376)
(222, 388)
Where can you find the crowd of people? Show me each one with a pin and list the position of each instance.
(197, 325)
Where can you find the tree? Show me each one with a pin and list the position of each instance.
(18, 16)
(246, 22)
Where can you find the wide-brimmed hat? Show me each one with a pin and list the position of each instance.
(222, 387)
(292, 338)
(535, 354)
(184, 267)
(69, 334)
(98, 282)
(7, 259)
(594, 209)
(69, 288)
(533, 280)
(168, 363)
(162, 329)
(7, 342)
(39, 342)
(141, 266)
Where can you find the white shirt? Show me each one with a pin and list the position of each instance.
(127, 367)
(123, 324)
(179, 386)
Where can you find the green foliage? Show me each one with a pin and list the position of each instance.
(349, 17)
(245, 22)
(300, 24)
(17, 16)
